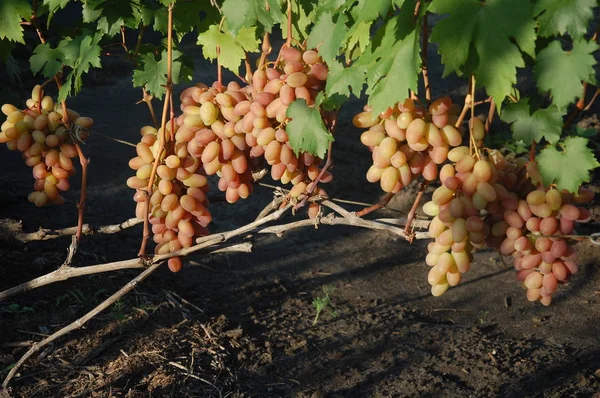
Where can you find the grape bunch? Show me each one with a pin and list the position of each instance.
(233, 128)
(468, 213)
(47, 144)
(489, 201)
(178, 202)
(543, 258)
(408, 140)
(298, 75)
(210, 125)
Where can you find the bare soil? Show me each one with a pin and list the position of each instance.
(241, 325)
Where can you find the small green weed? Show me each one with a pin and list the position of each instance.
(321, 303)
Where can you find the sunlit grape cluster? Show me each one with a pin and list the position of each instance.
(209, 125)
(537, 223)
(178, 202)
(467, 211)
(299, 75)
(234, 128)
(46, 142)
(408, 140)
(486, 200)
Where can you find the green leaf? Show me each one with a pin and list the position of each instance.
(562, 72)
(341, 82)
(152, 73)
(369, 10)
(306, 130)
(53, 6)
(11, 14)
(333, 6)
(231, 52)
(328, 35)
(79, 53)
(477, 37)
(401, 76)
(382, 43)
(590, 132)
(392, 61)
(568, 168)
(187, 16)
(357, 39)
(246, 38)
(247, 13)
(303, 15)
(48, 58)
(564, 16)
(82, 52)
(529, 127)
(110, 14)
(344, 81)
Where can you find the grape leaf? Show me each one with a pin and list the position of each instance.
(564, 16)
(304, 15)
(108, 14)
(246, 38)
(529, 127)
(48, 58)
(382, 44)
(562, 72)
(53, 6)
(401, 70)
(477, 37)
(392, 60)
(187, 16)
(369, 10)
(357, 39)
(343, 81)
(240, 13)
(568, 168)
(306, 130)
(11, 13)
(231, 52)
(335, 6)
(79, 53)
(152, 73)
(82, 52)
(328, 36)
(589, 132)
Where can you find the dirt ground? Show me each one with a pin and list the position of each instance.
(241, 325)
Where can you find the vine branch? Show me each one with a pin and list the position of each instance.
(212, 241)
(87, 229)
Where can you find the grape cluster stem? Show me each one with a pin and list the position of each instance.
(413, 211)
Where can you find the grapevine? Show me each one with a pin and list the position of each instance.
(523, 195)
